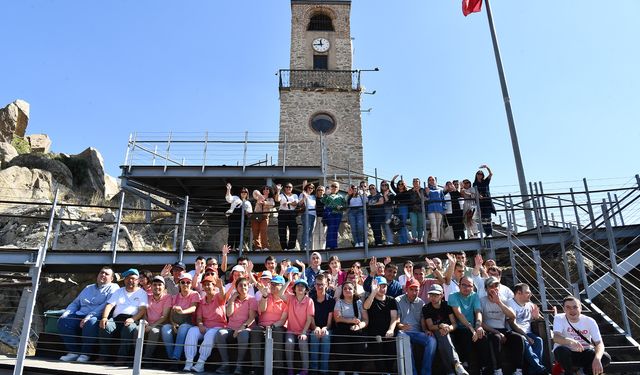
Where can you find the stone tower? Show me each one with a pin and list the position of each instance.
(320, 94)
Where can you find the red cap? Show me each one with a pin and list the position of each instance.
(412, 283)
(209, 279)
(210, 268)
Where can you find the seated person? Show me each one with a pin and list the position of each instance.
(526, 312)
(81, 317)
(157, 315)
(180, 318)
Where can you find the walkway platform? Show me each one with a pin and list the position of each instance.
(49, 366)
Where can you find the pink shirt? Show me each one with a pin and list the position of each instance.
(156, 308)
(298, 311)
(241, 312)
(274, 311)
(211, 313)
(186, 302)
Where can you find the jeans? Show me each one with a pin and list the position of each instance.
(447, 351)
(174, 350)
(69, 326)
(333, 220)
(417, 225)
(115, 330)
(428, 342)
(533, 354)
(320, 348)
(225, 334)
(403, 213)
(290, 346)
(308, 222)
(356, 221)
(388, 233)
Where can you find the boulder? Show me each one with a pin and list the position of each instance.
(59, 171)
(39, 143)
(94, 179)
(7, 152)
(13, 120)
(111, 187)
(21, 183)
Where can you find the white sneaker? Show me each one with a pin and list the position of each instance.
(198, 367)
(83, 358)
(460, 369)
(188, 365)
(69, 357)
(517, 371)
(497, 372)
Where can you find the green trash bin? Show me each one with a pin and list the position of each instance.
(51, 320)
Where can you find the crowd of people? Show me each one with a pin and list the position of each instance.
(450, 210)
(459, 319)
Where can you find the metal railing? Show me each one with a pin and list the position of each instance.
(320, 79)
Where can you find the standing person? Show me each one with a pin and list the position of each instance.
(435, 208)
(260, 218)
(129, 305)
(383, 317)
(403, 200)
(210, 318)
(157, 315)
(299, 316)
(415, 211)
(438, 318)
(356, 201)
(526, 312)
(287, 226)
(388, 201)
(455, 218)
(320, 229)
(375, 212)
(320, 337)
(334, 203)
(180, 319)
(469, 209)
(241, 314)
(80, 319)
(308, 206)
(410, 324)
(577, 340)
(350, 319)
(234, 214)
(481, 184)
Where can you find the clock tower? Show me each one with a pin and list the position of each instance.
(320, 118)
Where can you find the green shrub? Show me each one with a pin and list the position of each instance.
(21, 145)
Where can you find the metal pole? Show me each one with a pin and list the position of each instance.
(561, 211)
(349, 170)
(137, 356)
(613, 250)
(536, 213)
(611, 208)
(522, 181)
(244, 153)
(268, 352)
(423, 212)
(166, 159)
(575, 207)
(400, 355)
(35, 271)
(540, 278)
(57, 232)
(513, 215)
(204, 154)
(155, 152)
(590, 209)
(544, 203)
(116, 230)
(375, 177)
(537, 198)
(305, 228)
(133, 149)
(512, 256)
(184, 227)
(175, 233)
(579, 261)
(406, 350)
(241, 244)
(615, 196)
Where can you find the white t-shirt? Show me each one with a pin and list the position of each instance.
(586, 325)
(450, 288)
(504, 291)
(310, 202)
(492, 314)
(286, 200)
(128, 303)
(447, 204)
(523, 314)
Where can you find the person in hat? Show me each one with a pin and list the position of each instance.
(439, 320)
(129, 305)
(410, 316)
(320, 338)
(241, 312)
(160, 303)
(238, 271)
(383, 317)
(299, 317)
(350, 319)
(180, 319)
(172, 274)
(271, 306)
(79, 322)
(394, 289)
(210, 318)
(198, 287)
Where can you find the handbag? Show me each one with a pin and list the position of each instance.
(447, 230)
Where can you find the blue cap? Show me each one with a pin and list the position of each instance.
(277, 279)
(381, 280)
(130, 271)
(292, 269)
(301, 281)
(179, 265)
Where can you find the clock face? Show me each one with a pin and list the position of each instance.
(321, 45)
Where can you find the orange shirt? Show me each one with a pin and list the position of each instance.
(241, 312)
(298, 311)
(212, 313)
(155, 308)
(274, 311)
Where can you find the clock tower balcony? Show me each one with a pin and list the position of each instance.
(338, 80)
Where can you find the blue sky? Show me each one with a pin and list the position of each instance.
(94, 72)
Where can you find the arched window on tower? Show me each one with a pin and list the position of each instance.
(320, 22)
(322, 123)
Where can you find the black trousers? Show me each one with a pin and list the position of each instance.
(287, 220)
(455, 220)
(569, 359)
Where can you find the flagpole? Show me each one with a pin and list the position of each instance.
(522, 181)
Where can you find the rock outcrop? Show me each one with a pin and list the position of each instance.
(93, 178)
(21, 183)
(40, 143)
(59, 171)
(13, 120)
(7, 152)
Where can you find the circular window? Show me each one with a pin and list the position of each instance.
(322, 123)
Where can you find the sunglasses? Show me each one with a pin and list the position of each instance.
(185, 282)
(209, 273)
(467, 285)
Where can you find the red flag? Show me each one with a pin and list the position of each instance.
(471, 6)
